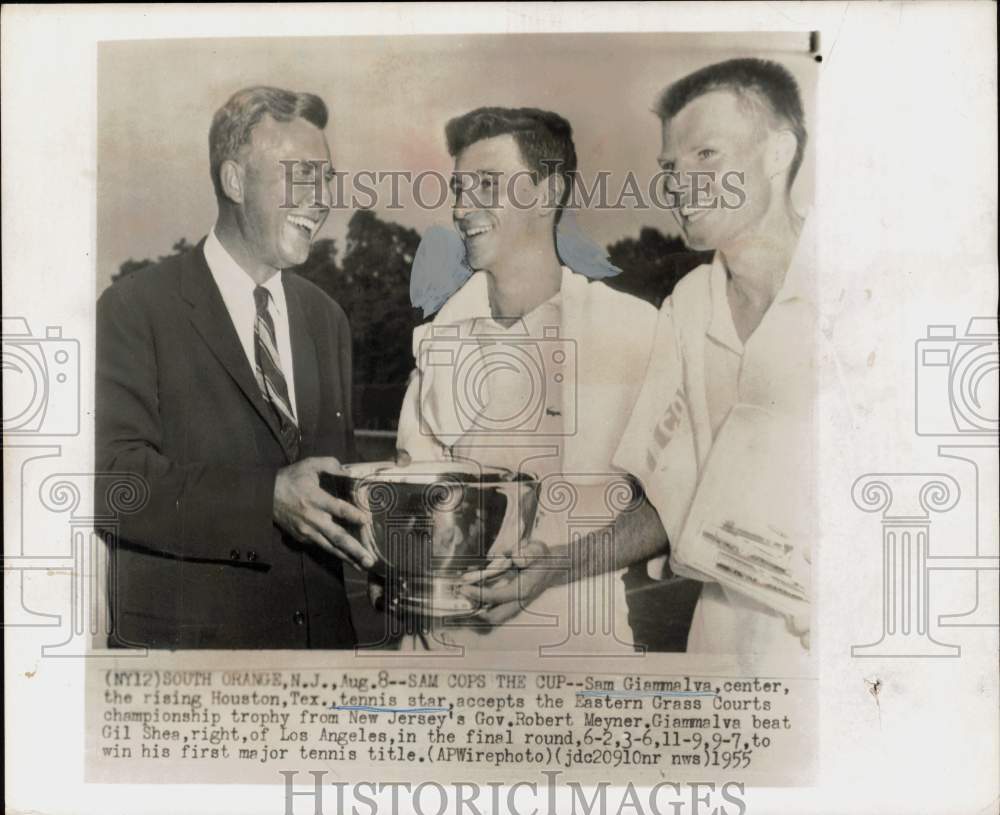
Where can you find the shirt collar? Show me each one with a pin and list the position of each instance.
(800, 281)
(472, 302)
(799, 284)
(234, 283)
(720, 326)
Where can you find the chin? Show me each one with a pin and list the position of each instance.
(478, 263)
(294, 257)
(698, 242)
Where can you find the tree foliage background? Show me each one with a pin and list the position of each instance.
(372, 283)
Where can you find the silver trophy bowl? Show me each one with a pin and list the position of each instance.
(432, 522)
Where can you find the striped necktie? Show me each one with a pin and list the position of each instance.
(269, 376)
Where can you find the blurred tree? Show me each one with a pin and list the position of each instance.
(377, 261)
(129, 266)
(372, 284)
(652, 264)
(322, 269)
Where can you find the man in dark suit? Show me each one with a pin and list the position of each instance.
(225, 383)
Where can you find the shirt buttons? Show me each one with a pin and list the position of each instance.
(251, 556)
(299, 618)
(234, 554)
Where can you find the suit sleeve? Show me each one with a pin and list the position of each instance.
(193, 510)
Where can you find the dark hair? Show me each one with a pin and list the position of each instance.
(545, 139)
(768, 86)
(234, 122)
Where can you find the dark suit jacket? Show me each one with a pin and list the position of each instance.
(202, 565)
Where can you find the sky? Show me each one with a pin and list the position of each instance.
(389, 99)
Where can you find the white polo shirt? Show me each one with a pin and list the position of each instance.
(236, 288)
(699, 370)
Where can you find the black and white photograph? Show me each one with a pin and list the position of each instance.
(501, 407)
(456, 315)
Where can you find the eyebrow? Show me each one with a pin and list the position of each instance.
(458, 175)
(480, 171)
(308, 165)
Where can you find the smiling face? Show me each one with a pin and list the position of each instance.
(279, 232)
(496, 203)
(712, 137)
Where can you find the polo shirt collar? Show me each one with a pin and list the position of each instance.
(799, 284)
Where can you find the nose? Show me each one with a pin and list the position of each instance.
(323, 194)
(460, 206)
(689, 186)
(672, 185)
(313, 191)
(467, 189)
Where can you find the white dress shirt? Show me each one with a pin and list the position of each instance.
(237, 288)
(783, 367)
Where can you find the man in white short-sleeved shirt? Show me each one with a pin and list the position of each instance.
(708, 369)
(741, 330)
(562, 420)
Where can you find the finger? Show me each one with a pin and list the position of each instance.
(403, 458)
(498, 592)
(797, 624)
(501, 613)
(309, 535)
(347, 548)
(528, 553)
(502, 547)
(323, 464)
(339, 508)
(494, 568)
(368, 540)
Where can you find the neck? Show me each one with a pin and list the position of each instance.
(232, 234)
(524, 280)
(758, 261)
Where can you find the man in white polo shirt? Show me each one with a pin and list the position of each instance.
(562, 420)
(741, 331)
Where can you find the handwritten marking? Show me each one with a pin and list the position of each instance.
(625, 694)
(368, 709)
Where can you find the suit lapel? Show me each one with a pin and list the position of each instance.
(212, 321)
(305, 362)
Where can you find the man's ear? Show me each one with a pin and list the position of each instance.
(231, 178)
(782, 145)
(554, 185)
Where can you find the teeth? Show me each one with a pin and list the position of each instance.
(305, 223)
(478, 230)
